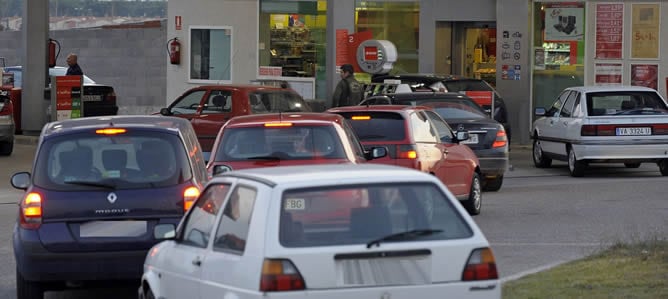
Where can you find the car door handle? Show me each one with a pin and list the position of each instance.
(197, 262)
(565, 123)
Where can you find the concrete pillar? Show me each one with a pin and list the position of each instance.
(340, 15)
(35, 30)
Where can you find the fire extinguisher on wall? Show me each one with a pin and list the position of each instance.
(174, 50)
(53, 53)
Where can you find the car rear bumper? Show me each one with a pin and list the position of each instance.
(7, 132)
(38, 264)
(636, 152)
(493, 162)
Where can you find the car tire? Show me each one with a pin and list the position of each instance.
(539, 159)
(575, 167)
(632, 165)
(26, 289)
(663, 167)
(493, 184)
(474, 203)
(6, 148)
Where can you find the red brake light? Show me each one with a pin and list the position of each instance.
(280, 275)
(361, 117)
(5, 107)
(110, 131)
(480, 266)
(189, 197)
(31, 211)
(501, 139)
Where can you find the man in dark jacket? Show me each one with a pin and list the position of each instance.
(74, 68)
(348, 91)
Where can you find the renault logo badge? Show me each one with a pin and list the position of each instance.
(112, 197)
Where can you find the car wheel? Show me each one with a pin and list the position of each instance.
(493, 184)
(575, 167)
(474, 203)
(539, 159)
(632, 165)
(6, 148)
(26, 289)
(663, 167)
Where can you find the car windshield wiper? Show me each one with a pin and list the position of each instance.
(92, 184)
(372, 136)
(404, 235)
(267, 158)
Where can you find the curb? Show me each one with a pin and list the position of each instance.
(26, 139)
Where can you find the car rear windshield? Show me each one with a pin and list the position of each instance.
(277, 101)
(466, 85)
(454, 110)
(359, 214)
(280, 143)
(452, 102)
(625, 103)
(132, 160)
(377, 126)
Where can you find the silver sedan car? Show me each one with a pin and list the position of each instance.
(603, 124)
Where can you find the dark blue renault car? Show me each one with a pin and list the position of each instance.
(98, 188)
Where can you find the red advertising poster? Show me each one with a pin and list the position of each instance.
(483, 98)
(645, 75)
(354, 40)
(342, 47)
(609, 30)
(68, 97)
(608, 74)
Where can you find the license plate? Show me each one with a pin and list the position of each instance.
(92, 98)
(106, 229)
(473, 139)
(634, 131)
(295, 204)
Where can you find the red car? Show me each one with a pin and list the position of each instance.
(279, 139)
(417, 137)
(208, 107)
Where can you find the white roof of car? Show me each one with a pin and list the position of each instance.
(326, 174)
(611, 88)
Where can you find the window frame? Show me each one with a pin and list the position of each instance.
(181, 231)
(230, 58)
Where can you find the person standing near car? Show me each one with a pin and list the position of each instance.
(74, 68)
(348, 91)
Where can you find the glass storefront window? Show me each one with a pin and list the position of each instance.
(397, 22)
(210, 54)
(558, 49)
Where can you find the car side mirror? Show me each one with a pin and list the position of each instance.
(378, 152)
(165, 112)
(540, 111)
(218, 169)
(462, 135)
(21, 180)
(165, 231)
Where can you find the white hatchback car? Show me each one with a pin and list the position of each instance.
(324, 231)
(603, 124)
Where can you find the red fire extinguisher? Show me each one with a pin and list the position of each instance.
(174, 50)
(53, 55)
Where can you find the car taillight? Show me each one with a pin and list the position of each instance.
(189, 197)
(660, 130)
(110, 97)
(597, 130)
(31, 211)
(280, 275)
(5, 107)
(501, 139)
(406, 151)
(480, 266)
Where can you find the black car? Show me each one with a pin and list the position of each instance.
(99, 99)
(98, 188)
(487, 137)
(453, 83)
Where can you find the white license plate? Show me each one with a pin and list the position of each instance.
(106, 229)
(634, 131)
(295, 204)
(92, 98)
(473, 139)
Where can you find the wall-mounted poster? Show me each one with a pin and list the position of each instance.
(645, 31)
(608, 74)
(564, 21)
(609, 30)
(645, 75)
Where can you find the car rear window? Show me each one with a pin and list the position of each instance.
(454, 110)
(359, 214)
(377, 126)
(280, 143)
(625, 103)
(277, 101)
(132, 160)
(466, 85)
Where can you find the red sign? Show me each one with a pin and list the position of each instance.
(370, 53)
(483, 98)
(342, 47)
(645, 75)
(609, 30)
(274, 71)
(177, 22)
(65, 86)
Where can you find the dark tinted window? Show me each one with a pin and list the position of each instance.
(135, 159)
(285, 143)
(448, 110)
(466, 85)
(277, 101)
(358, 214)
(201, 218)
(377, 126)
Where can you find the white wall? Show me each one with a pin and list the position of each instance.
(241, 15)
